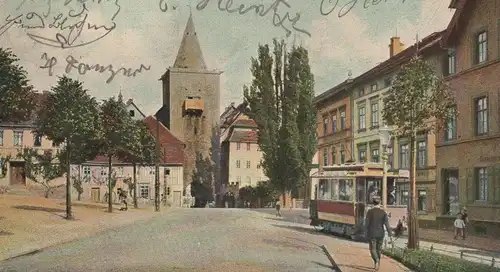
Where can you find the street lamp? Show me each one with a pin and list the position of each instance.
(385, 139)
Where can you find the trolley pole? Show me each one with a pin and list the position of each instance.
(384, 177)
(157, 167)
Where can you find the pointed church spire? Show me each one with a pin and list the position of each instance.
(190, 55)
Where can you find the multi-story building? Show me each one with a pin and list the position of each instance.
(241, 156)
(468, 160)
(334, 125)
(368, 93)
(13, 138)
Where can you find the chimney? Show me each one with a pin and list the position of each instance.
(395, 47)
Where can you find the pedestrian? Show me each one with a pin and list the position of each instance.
(376, 220)
(278, 208)
(122, 194)
(466, 222)
(399, 230)
(459, 226)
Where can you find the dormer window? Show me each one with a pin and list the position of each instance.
(132, 113)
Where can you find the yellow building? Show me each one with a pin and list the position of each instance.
(368, 92)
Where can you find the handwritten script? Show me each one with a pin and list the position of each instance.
(278, 19)
(328, 6)
(82, 68)
(72, 26)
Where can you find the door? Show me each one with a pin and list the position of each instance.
(177, 198)
(95, 194)
(17, 173)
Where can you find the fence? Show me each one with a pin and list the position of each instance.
(493, 262)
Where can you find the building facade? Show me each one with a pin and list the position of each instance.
(468, 160)
(334, 125)
(134, 111)
(191, 98)
(95, 172)
(241, 157)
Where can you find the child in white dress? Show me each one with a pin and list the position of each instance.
(459, 225)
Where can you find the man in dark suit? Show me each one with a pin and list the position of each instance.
(376, 219)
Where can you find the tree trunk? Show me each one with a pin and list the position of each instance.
(135, 185)
(284, 200)
(47, 192)
(69, 213)
(110, 189)
(79, 196)
(413, 239)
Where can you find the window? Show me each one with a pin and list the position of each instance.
(144, 191)
(258, 166)
(325, 156)
(374, 107)
(345, 189)
(450, 130)
(362, 117)
(325, 125)
(334, 157)
(390, 156)
(422, 197)
(404, 157)
(238, 164)
(104, 172)
(18, 138)
(481, 116)
(166, 172)
(482, 184)
(248, 146)
(248, 164)
(132, 113)
(342, 119)
(481, 47)
(375, 155)
(374, 87)
(54, 144)
(403, 194)
(361, 92)
(362, 156)
(421, 154)
(342, 154)
(152, 171)
(86, 171)
(452, 61)
(1, 137)
(238, 146)
(37, 140)
(248, 181)
(334, 123)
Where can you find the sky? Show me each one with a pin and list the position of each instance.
(147, 35)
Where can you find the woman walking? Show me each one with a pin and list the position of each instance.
(278, 208)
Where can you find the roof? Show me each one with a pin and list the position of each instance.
(190, 54)
(249, 123)
(244, 136)
(40, 99)
(333, 91)
(172, 148)
(130, 102)
(458, 16)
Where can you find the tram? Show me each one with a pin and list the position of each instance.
(343, 194)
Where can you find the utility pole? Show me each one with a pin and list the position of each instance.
(157, 168)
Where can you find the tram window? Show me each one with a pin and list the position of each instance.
(373, 188)
(345, 189)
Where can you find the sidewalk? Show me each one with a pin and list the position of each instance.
(355, 257)
(29, 223)
(446, 237)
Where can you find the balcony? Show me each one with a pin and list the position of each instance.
(193, 106)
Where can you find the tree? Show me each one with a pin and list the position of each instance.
(248, 193)
(41, 168)
(264, 192)
(78, 182)
(280, 101)
(70, 115)
(141, 154)
(203, 180)
(119, 137)
(418, 101)
(17, 98)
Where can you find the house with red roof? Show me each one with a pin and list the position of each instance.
(171, 171)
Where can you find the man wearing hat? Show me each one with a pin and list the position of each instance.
(376, 219)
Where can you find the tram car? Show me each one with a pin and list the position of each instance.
(342, 195)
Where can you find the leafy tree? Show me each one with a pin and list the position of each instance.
(71, 116)
(4, 160)
(418, 101)
(248, 193)
(119, 137)
(264, 192)
(280, 101)
(17, 98)
(203, 180)
(41, 168)
(142, 154)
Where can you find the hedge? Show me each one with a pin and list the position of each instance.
(423, 260)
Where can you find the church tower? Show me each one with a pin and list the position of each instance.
(191, 101)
